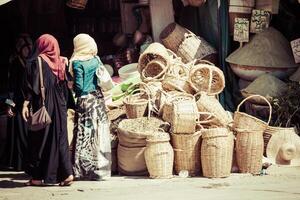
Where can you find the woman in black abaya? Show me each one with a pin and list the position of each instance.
(48, 154)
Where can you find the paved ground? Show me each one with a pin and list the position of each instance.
(281, 184)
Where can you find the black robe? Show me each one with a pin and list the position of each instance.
(48, 154)
(16, 142)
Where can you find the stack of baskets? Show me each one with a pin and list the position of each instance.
(186, 44)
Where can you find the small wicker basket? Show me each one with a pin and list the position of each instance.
(159, 155)
(216, 152)
(136, 104)
(154, 71)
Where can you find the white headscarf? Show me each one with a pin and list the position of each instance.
(85, 48)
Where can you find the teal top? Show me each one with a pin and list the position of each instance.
(85, 79)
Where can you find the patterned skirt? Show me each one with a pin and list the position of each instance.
(92, 148)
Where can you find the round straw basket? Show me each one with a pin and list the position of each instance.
(168, 104)
(184, 115)
(154, 51)
(216, 152)
(154, 70)
(194, 47)
(78, 4)
(249, 139)
(210, 104)
(187, 152)
(207, 78)
(171, 83)
(159, 155)
(271, 130)
(136, 104)
(172, 36)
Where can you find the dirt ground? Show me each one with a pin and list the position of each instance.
(281, 183)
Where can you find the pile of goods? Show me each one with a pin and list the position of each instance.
(175, 124)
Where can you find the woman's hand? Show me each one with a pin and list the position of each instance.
(10, 112)
(25, 111)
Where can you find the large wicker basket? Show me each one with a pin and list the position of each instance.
(187, 152)
(216, 152)
(172, 36)
(249, 139)
(206, 77)
(194, 47)
(159, 155)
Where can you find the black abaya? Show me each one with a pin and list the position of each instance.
(48, 154)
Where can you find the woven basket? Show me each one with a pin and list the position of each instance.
(210, 104)
(194, 47)
(131, 161)
(271, 130)
(187, 152)
(167, 105)
(172, 36)
(78, 4)
(207, 78)
(154, 51)
(216, 152)
(136, 104)
(159, 155)
(249, 139)
(154, 71)
(184, 115)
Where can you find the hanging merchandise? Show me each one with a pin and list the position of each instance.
(295, 44)
(241, 30)
(260, 20)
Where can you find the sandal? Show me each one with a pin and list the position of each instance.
(67, 182)
(32, 182)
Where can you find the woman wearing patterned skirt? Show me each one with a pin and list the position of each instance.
(92, 151)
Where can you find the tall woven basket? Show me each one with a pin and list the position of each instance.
(216, 152)
(249, 139)
(159, 155)
(187, 152)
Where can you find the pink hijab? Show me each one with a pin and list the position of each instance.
(49, 50)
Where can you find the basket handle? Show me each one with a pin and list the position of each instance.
(209, 119)
(256, 95)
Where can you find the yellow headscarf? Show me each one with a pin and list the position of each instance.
(85, 48)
